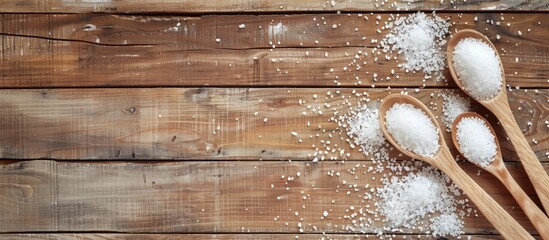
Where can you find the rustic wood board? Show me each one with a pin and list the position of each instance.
(60, 50)
(258, 6)
(103, 236)
(206, 123)
(202, 197)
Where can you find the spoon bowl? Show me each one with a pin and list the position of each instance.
(497, 157)
(393, 99)
(499, 170)
(444, 161)
(469, 33)
(499, 106)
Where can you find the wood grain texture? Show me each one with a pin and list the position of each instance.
(58, 50)
(103, 236)
(258, 6)
(207, 123)
(204, 197)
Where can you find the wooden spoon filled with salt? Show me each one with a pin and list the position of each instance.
(476, 140)
(477, 69)
(412, 129)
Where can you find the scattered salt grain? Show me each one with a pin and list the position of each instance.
(446, 224)
(412, 129)
(363, 127)
(453, 105)
(419, 38)
(476, 141)
(407, 201)
(478, 69)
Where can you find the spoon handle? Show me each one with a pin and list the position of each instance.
(533, 167)
(502, 221)
(532, 211)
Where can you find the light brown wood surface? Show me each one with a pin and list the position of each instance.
(60, 50)
(203, 123)
(130, 160)
(258, 6)
(203, 197)
(103, 236)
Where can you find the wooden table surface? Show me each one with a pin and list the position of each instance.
(128, 120)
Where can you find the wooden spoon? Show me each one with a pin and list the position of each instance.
(498, 169)
(443, 160)
(499, 106)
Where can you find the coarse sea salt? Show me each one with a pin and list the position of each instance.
(477, 67)
(419, 38)
(476, 141)
(453, 105)
(358, 127)
(412, 129)
(363, 127)
(406, 202)
(447, 224)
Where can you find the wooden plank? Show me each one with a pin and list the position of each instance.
(258, 6)
(51, 50)
(205, 197)
(102, 236)
(207, 123)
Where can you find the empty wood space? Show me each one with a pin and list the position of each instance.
(201, 119)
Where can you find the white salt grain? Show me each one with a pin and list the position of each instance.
(407, 201)
(453, 105)
(478, 69)
(419, 38)
(476, 141)
(363, 127)
(447, 224)
(412, 129)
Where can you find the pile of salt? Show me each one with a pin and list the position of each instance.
(477, 67)
(476, 141)
(412, 129)
(419, 39)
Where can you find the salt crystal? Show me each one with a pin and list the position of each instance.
(363, 127)
(412, 129)
(419, 38)
(446, 224)
(477, 66)
(405, 201)
(453, 105)
(476, 141)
